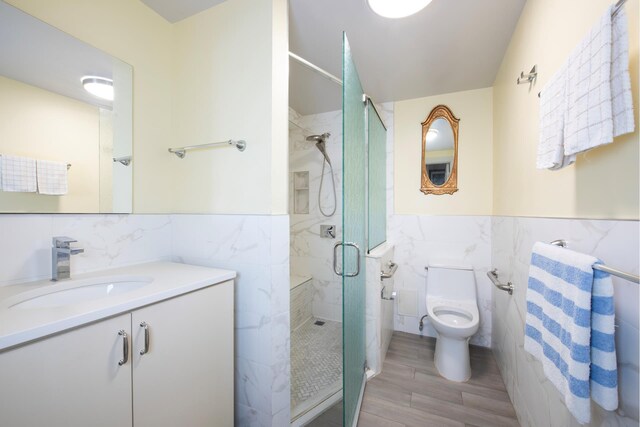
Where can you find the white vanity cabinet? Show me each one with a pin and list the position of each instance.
(71, 379)
(185, 376)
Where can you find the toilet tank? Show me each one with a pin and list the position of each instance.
(452, 283)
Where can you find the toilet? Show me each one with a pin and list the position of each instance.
(452, 308)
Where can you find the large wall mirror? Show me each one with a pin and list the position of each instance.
(440, 152)
(62, 103)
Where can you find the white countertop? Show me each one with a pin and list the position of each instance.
(21, 325)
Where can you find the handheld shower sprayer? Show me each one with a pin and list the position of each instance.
(321, 144)
(320, 141)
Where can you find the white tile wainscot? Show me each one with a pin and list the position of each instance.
(257, 247)
(379, 312)
(535, 399)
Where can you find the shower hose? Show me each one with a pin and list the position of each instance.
(333, 181)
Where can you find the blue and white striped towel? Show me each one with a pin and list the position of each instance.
(570, 327)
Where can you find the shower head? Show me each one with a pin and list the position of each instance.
(320, 144)
(319, 138)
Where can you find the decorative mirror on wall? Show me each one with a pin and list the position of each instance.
(440, 152)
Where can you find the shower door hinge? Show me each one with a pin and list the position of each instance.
(365, 98)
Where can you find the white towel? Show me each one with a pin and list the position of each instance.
(18, 174)
(570, 327)
(52, 178)
(623, 117)
(553, 105)
(588, 101)
(593, 73)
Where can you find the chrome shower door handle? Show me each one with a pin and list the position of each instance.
(125, 347)
(145, 350)
(335, 259)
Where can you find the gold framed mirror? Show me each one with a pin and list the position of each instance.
(440, 152)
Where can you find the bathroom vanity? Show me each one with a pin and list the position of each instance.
(145, 345)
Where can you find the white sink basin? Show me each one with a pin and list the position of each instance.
(68, 293)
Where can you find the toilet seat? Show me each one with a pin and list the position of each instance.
(453, 317)
(458, 319)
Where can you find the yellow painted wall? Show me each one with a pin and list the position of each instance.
(604, 182)
(223, 59)
(46, 126)
(475, 159)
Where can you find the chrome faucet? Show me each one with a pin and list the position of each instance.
(61, 257)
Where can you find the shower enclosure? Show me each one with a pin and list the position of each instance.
(329, 241)
(354, 220)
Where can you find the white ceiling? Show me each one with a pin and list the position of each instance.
(175, 10)
(449, 46)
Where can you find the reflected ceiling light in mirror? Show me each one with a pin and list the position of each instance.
(432, 134)
(397, 8)
(98, 86)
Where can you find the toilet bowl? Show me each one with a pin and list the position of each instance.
(453, 311)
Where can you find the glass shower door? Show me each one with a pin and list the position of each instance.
(354, 235)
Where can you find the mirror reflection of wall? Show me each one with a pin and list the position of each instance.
(48, 113)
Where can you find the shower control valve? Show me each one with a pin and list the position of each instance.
(328, 231)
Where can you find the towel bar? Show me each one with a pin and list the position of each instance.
(182, 151)
(493, 275)
(389, 274)
(614, 271)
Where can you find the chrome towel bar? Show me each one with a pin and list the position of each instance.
(622, 274)
(182, 151)
(389, 274)
(124, 160)
(493, 275)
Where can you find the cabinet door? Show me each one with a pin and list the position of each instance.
(186, 377)
(70, 379)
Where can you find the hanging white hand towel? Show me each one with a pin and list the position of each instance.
(553, 105)
(622, 104)
(597, 80)
(18, 174)
(52, 178)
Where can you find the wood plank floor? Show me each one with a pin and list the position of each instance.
(409, 392)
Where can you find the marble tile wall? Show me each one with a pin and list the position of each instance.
(257, 247)
(312, 255)
(616, 243)
(109, 241)
(422, 240)
(378, 312)
(301, 304)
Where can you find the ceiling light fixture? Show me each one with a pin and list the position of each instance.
(432, 134)
(396, 8)
(98, 86)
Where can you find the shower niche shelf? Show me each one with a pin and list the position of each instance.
(301, 192)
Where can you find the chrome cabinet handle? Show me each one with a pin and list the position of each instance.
(145, 350)
(335, 259)
(125, 347)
